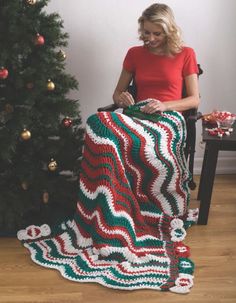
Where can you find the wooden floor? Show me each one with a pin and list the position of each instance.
(213, 249)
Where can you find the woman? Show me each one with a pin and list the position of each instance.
(132, 208)
(160, 66)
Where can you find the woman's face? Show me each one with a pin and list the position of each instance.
(154, 36)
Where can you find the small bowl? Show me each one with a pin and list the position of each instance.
(225, 120)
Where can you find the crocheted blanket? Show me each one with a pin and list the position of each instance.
(132, 210)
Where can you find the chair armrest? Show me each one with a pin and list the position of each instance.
(199, 115)
(108, 108)
(192, 115)
(195, 117)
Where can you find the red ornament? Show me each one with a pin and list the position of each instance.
(67, 122)
(3, 73)
(181, 250)
(39, 40)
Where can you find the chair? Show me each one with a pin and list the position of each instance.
(191, 116)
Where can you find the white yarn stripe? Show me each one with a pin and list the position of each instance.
(150, 214)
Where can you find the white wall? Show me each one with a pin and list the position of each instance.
(101, 31)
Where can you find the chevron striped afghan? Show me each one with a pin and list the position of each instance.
(132, 209)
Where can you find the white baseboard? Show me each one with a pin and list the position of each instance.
(225, 165)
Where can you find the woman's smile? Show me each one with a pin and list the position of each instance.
(154, 36)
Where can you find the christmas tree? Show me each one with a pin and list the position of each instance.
(41, 137)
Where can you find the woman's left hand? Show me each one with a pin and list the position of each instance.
(153, 106)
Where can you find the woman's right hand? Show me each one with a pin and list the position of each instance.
(125, 99)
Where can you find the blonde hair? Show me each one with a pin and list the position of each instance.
(161, 14)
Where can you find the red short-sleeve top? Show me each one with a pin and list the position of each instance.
(157, 76)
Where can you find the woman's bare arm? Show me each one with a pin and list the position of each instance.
(121, 96)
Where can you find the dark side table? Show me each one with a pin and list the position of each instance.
(212, 147)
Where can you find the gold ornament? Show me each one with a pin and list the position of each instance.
(61, 55)
(31, 2)
(52, 166)
(25, 135)
(45, 197)
(50, 85)
(24, 185)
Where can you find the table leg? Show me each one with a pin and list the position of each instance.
(207, 181)
(203, 172)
